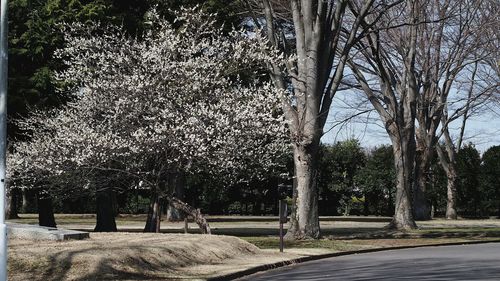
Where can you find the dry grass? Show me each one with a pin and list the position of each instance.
(342, 245)
(339, 227)
(139, 256)
(144, 256)
(123, 256)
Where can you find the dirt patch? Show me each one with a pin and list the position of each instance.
(124, 256)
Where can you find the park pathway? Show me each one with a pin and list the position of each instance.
(465, 262)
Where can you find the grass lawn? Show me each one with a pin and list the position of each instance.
(146, 256)
(356, 244)
(134, 256)
(150, 256)
(81, 219)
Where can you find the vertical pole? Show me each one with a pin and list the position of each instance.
(3, 134)
(136, 199)
(281, 224)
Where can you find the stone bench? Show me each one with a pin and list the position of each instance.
(36, 232)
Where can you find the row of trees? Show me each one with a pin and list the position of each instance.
(351, 181)
(357, 182)
(406, 57)
(143, 109)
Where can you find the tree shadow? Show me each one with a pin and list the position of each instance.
(132, 266)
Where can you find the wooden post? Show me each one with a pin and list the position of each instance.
(186, 227)
(283, 219)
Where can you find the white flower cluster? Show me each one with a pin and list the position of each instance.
(185, 99)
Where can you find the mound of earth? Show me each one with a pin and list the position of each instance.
(127, 256)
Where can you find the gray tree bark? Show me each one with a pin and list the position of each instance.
(196, 214)
(25, 204)
(421, 205)
(304, 221)
(447, 159)
(176, 186)
(451, 202)
(403, 161)
(315, 76)
(395, 96)
(12, 203)
(105, 215)
(154, 214)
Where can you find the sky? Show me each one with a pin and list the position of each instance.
(483, 129)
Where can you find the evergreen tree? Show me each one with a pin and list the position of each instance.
(490, 185)
(469, 192)
(338, 166)
(377, 181)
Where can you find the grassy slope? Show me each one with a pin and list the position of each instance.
(151, 256)
(117, 256)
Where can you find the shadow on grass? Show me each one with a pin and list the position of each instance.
(61, 263)
(139, 263)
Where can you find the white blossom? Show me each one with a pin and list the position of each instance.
(187, 99)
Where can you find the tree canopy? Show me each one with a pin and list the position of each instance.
(170, 102)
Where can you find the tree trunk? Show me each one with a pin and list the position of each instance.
(12, 206)
(194, 213)
(24, 206)
(154, 214)
(316, 76)
(421, 206)
(403, 161)
(8, 202)
(451, 202)
(105, 212)
(176, 185)
(448, 162)
(304, 222)
(45, 211)
(27, 204)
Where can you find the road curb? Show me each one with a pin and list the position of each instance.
(275, 265)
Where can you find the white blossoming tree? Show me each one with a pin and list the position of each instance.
(187, 98)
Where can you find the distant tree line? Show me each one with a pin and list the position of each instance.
(352, 181)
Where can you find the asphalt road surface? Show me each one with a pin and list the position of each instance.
(466, 262)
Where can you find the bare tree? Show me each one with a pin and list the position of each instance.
(480, 94)
(447, 47)
(385, 68)
(476, 77)
(323, 34)
(407, 67)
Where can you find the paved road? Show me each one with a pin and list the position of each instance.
(467, 262)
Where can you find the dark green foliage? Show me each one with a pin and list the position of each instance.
(217, 196)
(377, 181)
(468, 188)
(35, 33)
(437, 188)
(490, 181)
(338, 165)
(226, 10)
(349, 179)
